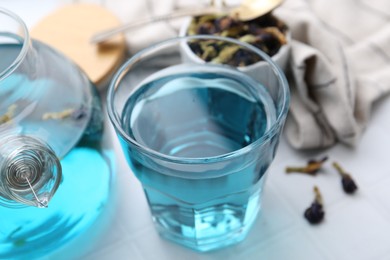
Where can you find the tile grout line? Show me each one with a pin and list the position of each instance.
(375, 203)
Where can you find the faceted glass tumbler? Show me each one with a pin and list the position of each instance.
(200, 133)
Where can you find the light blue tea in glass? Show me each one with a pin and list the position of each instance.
(200, 139)
(195, 112)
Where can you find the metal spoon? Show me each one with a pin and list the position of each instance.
(248, 10)
(251, 9)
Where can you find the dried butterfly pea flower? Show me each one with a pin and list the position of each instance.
(9, 114)
(79, 113)
(348, 184)
(243, 57)
(58, 115)
(277, 33)
(206, 28)
(195, 47)
(207, 49)
(226, 54)
(312, 167)
(266, 33)
(225, 22)
(315, 213)
(269, 21)
(75, 114)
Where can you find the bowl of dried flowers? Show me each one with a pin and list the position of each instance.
(267, 33)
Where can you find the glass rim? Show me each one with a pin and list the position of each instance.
(23, 51)
(115, 120)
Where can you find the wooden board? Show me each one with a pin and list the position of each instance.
(69, 29)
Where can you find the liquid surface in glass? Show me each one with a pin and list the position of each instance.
(198, 115)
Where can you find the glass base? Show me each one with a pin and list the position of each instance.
(208, 228)
(207, 244)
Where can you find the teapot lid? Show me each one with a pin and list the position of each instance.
(69, 30)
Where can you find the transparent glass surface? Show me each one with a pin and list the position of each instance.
(200, 135)
(49, 112)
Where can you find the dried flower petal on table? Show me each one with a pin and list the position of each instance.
(312, 167)
(315, 213)
(348, 184)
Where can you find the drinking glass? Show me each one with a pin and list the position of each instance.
(200, 134)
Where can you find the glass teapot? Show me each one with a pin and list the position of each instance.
(55, 176)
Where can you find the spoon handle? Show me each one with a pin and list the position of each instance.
(104, 35)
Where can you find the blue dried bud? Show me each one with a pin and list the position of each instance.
(315, 213)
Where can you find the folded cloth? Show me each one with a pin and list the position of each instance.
(340, 65)
(340, 62)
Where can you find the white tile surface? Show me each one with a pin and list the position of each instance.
(379, 196)
(355, 227)
(118, 251)
(291, 245)
(354, 230)
(161, 249)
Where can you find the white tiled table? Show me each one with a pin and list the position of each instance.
(356, 227)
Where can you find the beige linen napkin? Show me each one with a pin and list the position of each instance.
(340, 65)
(340, 61)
